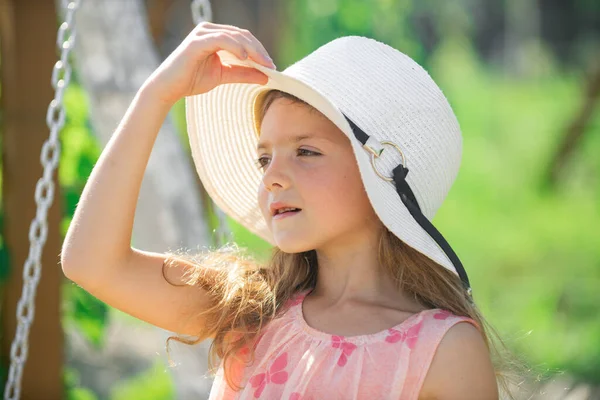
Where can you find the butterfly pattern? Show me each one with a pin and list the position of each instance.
(347, 348)
(275, 374)
(409, 336)
(270, 382)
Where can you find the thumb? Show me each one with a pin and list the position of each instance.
(242, 74)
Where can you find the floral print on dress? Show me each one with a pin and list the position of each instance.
(296, 376)
(275, 374)
(409, 336)
(346, 347)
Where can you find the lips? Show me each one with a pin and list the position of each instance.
(278, 205)
(286, 214)
(289, 210)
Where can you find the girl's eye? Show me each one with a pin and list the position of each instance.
(261, 161)
(310, 152)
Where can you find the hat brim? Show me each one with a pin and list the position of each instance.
(223, 136)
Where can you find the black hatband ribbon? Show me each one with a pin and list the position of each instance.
(409, 200)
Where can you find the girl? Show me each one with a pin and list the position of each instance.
(362, 297)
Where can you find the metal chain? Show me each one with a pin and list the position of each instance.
(44, 195)
(201, 11)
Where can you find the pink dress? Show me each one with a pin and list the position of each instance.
(296, 362)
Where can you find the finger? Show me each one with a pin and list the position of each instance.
(210, 43)
(242, 74)
(254, 47)
(249, 36)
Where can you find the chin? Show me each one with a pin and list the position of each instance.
(289, 244)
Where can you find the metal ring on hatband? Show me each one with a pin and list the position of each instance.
(376, 154)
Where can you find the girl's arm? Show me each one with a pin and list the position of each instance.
(97, 252)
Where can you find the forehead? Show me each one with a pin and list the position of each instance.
(291, 122)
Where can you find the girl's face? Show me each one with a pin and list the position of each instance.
(318, 174)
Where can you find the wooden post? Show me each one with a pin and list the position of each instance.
(28, 34)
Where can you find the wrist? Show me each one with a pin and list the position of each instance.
(150, 95)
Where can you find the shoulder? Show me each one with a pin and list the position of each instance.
(461, 367)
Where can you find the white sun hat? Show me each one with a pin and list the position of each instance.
(396, 117)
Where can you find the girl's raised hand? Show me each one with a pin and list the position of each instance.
(194, 67)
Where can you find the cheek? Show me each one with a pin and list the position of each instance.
(262, 201)
(339, 196)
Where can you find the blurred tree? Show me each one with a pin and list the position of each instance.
(170, 212)
(576, 128)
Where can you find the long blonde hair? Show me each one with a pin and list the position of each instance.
(247, 294)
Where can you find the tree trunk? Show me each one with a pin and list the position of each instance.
(114, 55)
(575, 131)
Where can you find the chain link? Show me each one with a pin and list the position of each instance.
(44, 195)
(202, 11)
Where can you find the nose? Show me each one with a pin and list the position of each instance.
(276, 175)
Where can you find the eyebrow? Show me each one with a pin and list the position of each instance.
(293, 139)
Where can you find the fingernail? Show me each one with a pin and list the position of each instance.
(270, 60)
